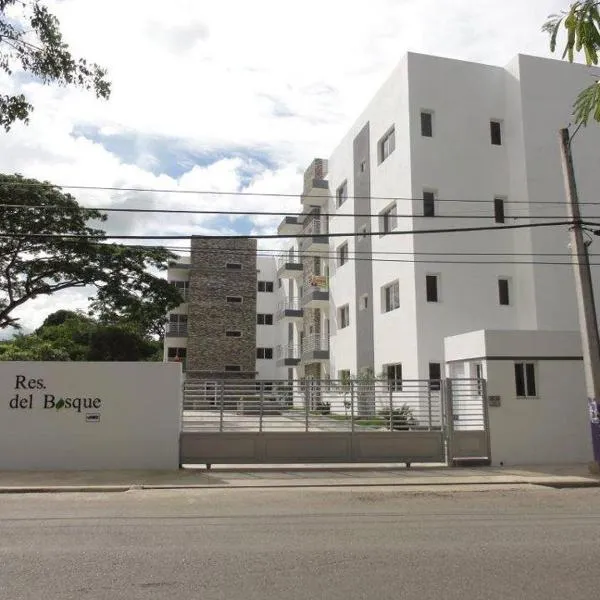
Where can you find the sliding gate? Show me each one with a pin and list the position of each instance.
(315, 421)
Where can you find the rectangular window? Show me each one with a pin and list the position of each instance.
(388, 219)
(426, 123)
(431, 284)
(342, 254)
(364, 302)
(429, 204)
(264, 319)
(234, 299)
(503, 292)
(342, 194)
(391, 297)
(435, 376)
(525, 383)
(363, 232)
(175, 354)
(496, 133)
(233, 333)
(264, 353)
(499, 210)
(387, 144)
(183, 287)
(265, 286)
(344, 317)
(394, 376)
(234, 266)
(233, 368)
(363, 166)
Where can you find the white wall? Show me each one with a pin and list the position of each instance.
(551, 428)
(138, 406)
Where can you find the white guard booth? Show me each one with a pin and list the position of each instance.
(538, 411)
(89, 415)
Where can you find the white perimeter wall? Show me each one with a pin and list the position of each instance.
(551, 428)
(137, 407)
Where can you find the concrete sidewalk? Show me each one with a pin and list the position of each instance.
(278, 476)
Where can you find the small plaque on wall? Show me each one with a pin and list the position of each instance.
(494, 401)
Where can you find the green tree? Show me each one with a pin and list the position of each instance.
(582, 25)
(46, 246)
(31, 347)
(30, 39)
(111, 342)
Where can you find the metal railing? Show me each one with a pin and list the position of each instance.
(291, 351)
(177, 329)
(289, 304)
(283, 261)
(315, 343)
(316, 227)
(316, 405)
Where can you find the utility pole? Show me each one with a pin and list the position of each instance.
(588, 324)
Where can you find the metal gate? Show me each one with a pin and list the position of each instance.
(312, 421)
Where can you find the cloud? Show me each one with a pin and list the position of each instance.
(231, 95)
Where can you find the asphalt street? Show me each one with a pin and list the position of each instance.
(435, 543)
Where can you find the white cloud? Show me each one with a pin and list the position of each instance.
(280, 79)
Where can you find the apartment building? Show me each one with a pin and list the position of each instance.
(227, 327)
(444, 144)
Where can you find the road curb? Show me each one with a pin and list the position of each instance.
(555, 484)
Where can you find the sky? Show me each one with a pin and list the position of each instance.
(231, 95)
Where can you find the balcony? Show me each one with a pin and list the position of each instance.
(315, 349)
(316, 292)
(318, 238)
(316, 187)
(289, 226)
(291, 309)
(177, 330)
(288, 356)
(289, 267)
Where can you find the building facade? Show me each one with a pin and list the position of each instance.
(444, 144)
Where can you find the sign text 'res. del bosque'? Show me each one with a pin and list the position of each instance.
(32, 393)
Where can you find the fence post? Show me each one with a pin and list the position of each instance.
(222, 405)
(262, 400)
(306, 403)
(449, 422)
(429, 399)
(486, 419)
(391, 387)
(352, 406)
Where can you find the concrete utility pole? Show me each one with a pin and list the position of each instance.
(590, 341)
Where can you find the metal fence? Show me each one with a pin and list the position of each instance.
(313, 406)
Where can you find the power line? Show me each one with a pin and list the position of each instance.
(261, 194)
(278, 236)
(264, 213)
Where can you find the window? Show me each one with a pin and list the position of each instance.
(363, 232)
(429, 204)
(233, 333)
(435, 376)
(391, 297)
(234, 299)
(431, 285)
(176, 354)
(233, 368)
(394, 377)
(387, 144)
(499, 210)
(525, 380)
(342, 254)
(426, 123)
(363, 166)
(264, 319)
(388, 219)
(265, 286)
(503, 292)
(183, 287)
(279, 283)
(264, 353)
(344, 317)
(496, 133)
(234, 266)
(364, 302)
(342, 194)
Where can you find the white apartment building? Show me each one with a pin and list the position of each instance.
(444, 144)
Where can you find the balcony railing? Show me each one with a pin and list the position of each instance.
(316, 227)
(315, 343)
(290, 352)
(283, 262)
(177, 329)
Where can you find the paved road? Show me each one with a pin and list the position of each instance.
(295, 544)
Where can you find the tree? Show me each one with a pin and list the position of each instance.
(30, 39)
(112, 342)
(582, 24)
(46, 246)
